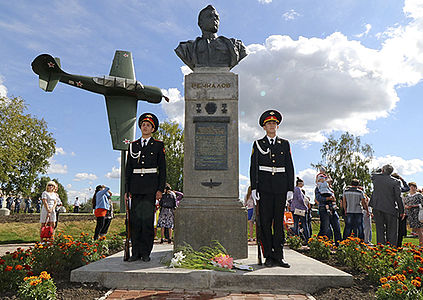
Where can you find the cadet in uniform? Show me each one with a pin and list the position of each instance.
(145, 177)
(272, 180)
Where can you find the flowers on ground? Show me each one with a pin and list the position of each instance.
(214, 257)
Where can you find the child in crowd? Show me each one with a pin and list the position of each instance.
(323, 182)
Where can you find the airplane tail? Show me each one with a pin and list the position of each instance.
(49, 71)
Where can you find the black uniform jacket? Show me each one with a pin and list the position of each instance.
(278, 155)
(151, 156)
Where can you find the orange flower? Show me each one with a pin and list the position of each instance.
(398, 291)
(8, 268)
(383, 280)
(420, 270)
(386, 286)
(18, 267)
(416, 283)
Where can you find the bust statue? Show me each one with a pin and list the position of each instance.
(211, 50)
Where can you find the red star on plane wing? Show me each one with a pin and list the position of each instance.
(50, 64)
(79, 83)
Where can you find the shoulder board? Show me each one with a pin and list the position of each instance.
(158, 140)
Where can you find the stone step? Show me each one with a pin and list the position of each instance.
(305, 275)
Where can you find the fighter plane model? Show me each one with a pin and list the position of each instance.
(121, 90)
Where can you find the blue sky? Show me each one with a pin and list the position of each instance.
(328, 66)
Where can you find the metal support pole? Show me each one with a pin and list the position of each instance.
(122, 181)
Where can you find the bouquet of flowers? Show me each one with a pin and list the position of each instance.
(214, 257)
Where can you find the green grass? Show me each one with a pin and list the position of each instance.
(15, 232)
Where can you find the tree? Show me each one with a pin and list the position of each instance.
(25, 146)
(40, 187)
(346, 159)
(173, 138)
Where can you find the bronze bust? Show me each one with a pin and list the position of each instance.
(211, 50)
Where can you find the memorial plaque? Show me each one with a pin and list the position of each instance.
(211, 143)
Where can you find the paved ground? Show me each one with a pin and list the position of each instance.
(12, 247)
(306, 275)
(203, 295)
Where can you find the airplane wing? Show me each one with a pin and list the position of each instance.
(122, 114)
(122, 110)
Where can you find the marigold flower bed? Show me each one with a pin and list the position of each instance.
(396, 271)
(56, 257)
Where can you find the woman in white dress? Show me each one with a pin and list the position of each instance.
(49, 202)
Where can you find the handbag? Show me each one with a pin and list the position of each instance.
(300, 212)
(420, 213)
(46, 230)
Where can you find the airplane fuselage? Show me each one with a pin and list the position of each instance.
(114, 86)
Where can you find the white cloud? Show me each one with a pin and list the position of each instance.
(84, 176)
(175, 109)
(3, 89)
(244, 183)
(115, 173)
(309, 177)
(366, 32)
(56, 168)
(402, 166)
(265, 1)
(290, 15)
(68, 186)
(328, 84)
(60, 151)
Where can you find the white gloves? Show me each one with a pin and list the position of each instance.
(157, 202)
(289, 195)
(255, 195)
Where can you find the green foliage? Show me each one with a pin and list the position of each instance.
(25, 147)
(40, 187)
(399, 287)
(351, 252)
(345, 159)
(37, 288)
(320, 247)
(294, 242)
(13, 268)
(173, 138)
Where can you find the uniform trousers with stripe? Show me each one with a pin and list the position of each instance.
(271, 208)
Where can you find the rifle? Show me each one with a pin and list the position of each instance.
(258, 225)
(126, 253)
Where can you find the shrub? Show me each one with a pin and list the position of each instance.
(294, 242)
(320, 247)
(37, 287)
(399, 287)
(350, 252)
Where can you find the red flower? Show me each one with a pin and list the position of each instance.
(26, 267)
(420, 270)
(2, 261)
(29, 273)
(410, 271)
(8, 268)
(18, 267)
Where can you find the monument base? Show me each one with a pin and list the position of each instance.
(199, 225)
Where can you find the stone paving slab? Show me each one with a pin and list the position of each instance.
(306, 275)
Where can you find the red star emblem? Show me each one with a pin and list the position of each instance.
(50, 64)
(125, 55)
(126, 141)
(79, 83)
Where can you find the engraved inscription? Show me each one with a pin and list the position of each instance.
(211, 146)
(222, 85)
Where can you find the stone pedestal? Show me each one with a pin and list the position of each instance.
(4, 211)
(211, 209)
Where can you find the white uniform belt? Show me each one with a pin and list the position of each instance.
(145, 171)
(272, 169)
